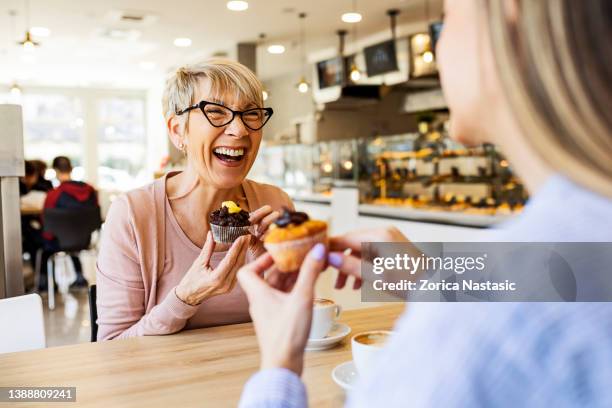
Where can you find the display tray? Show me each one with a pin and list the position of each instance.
(432, 215)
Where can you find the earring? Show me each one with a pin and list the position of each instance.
(181, 147)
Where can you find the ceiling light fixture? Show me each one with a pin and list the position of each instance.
(15, 91)
(355, 74)
(352, 17)
(428, 57)
(237, 5)
(276, 49)
(27, 43)
(302, 86)
(182, 42)
(265, 95)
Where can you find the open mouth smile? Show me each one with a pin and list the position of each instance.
(230, 155)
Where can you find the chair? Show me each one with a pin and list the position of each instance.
(22, 323)
(72, 227)
(93, 313)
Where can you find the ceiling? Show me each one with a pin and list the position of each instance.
(90, 47)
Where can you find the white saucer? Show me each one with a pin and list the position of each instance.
(345, 375)
(335, 336)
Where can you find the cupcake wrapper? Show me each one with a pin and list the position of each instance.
(289, 255)
(227, 235)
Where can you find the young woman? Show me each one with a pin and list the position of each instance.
(535, 78)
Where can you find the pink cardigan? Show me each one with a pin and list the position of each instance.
(135, 278)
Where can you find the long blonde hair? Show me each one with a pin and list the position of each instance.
(556, 69)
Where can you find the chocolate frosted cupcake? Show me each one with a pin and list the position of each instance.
(291, 237)
(229, 222)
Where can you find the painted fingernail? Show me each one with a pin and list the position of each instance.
(335, 259)
(318, 252)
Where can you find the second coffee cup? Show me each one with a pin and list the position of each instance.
(324, 315)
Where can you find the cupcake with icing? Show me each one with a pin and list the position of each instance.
(229, 222)
(291, 237)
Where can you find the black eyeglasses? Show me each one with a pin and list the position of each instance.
(219, 115)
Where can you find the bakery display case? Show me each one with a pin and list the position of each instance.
(429, 173)
(423, 175)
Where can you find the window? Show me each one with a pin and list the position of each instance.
(53, 126)
(121, 143)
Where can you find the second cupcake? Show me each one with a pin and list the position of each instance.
(291, 237)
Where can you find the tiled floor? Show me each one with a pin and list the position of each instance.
(69, 322)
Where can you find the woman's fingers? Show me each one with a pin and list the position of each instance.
(310, 269)
(346, 264)
(256, 216)
(340, 280)
(354, 239)
(250, 276)
(207, 249)
(266, 222)
(230, 259)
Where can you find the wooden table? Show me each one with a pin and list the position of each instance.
(196, 368)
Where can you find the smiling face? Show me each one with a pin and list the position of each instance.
(221, 156)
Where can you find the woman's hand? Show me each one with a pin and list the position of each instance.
(345, 251)
(260, 219)
(282, 318)
(202, 281)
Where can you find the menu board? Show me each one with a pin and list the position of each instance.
(330, 72)
(381, 58)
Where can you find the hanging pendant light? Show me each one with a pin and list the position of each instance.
(28, 43)
(302, 86)
(354, 73)
(15, 90)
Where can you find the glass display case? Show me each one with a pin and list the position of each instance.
(417, 173)
(428, 171)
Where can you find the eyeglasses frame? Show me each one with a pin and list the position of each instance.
(202, 104)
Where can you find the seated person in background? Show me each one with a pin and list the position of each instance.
(70, 194)
(29, 180)
(42, 184)
(30, 200)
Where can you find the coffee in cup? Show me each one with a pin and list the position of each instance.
(324, 315)
(366, 346)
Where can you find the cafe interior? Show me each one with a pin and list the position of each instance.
(359, 139)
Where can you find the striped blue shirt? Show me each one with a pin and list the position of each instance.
(490, 354)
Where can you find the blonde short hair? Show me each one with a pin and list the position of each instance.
(226, 77)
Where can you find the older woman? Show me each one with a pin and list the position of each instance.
(159, 270)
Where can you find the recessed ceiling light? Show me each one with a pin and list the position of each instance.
(351, 17)
(276, 49)
(148, 65)
(182, 42)
(40, 31)
(237, 5)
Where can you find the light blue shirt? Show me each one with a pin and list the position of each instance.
(490, 354)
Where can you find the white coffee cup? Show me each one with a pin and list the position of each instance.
(324, 315)
(366, 346)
